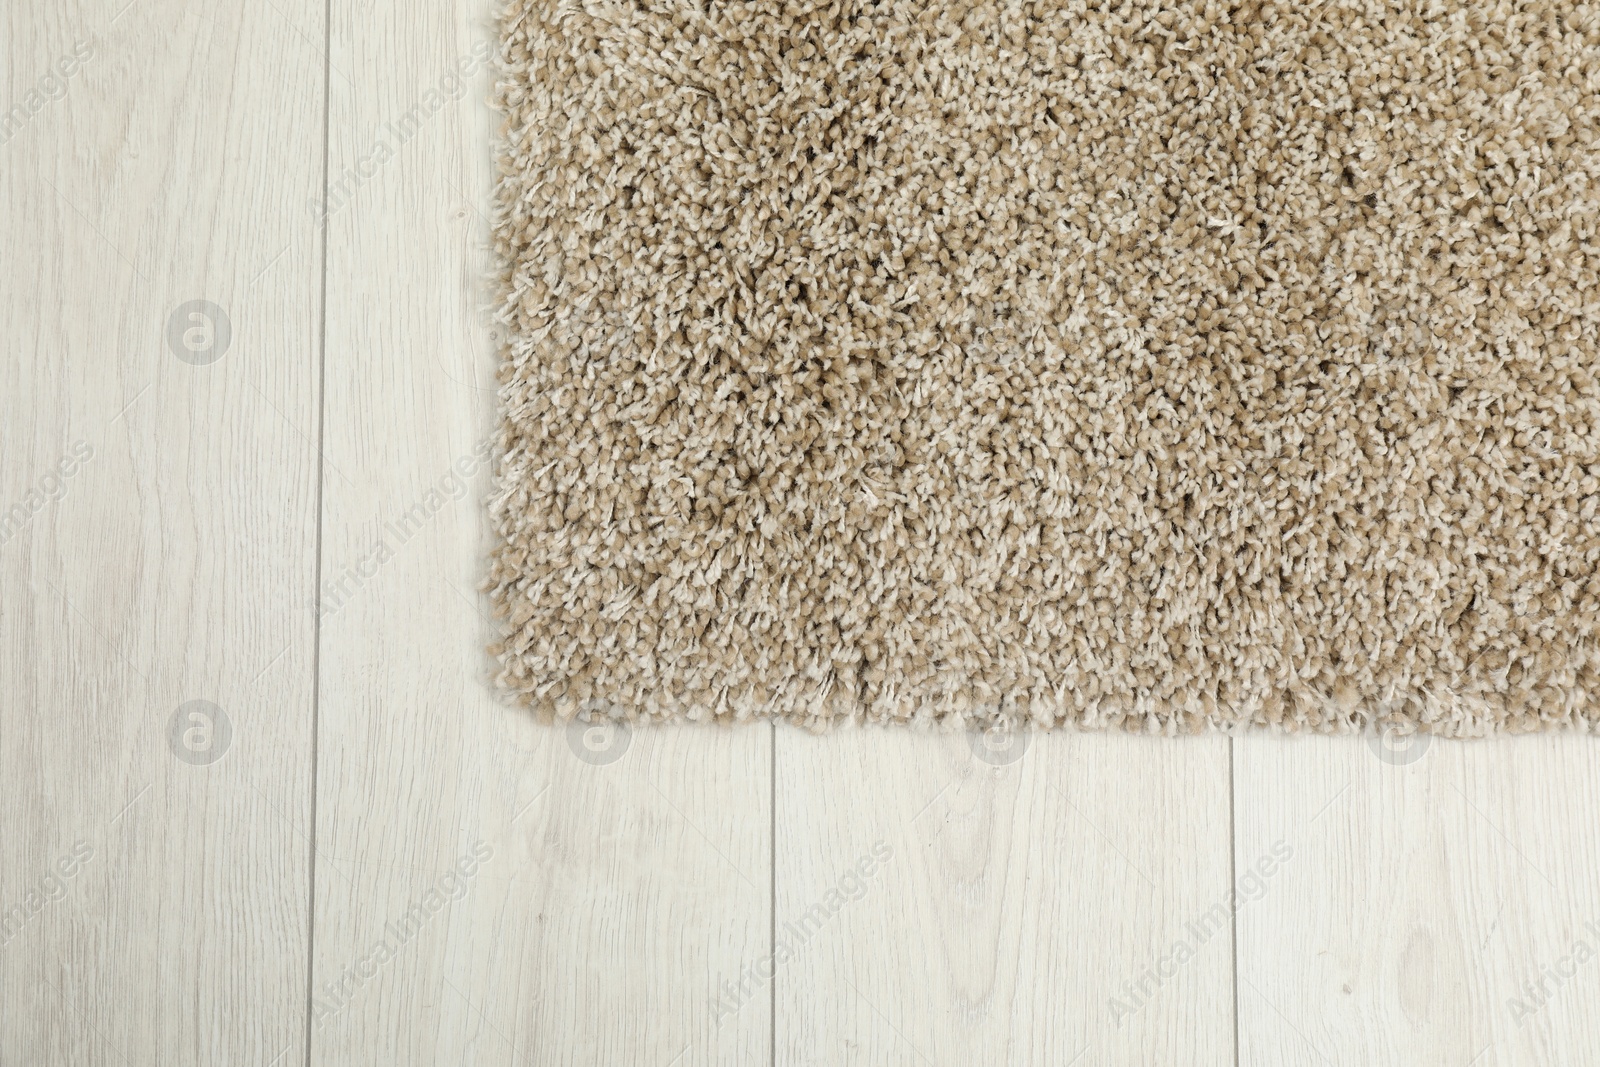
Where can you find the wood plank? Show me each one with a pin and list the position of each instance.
(1438, 901)
(160, 487)
(605, 900)
(939, 904)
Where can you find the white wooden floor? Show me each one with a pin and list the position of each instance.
(348, 853)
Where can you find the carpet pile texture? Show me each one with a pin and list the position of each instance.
(1159, 364)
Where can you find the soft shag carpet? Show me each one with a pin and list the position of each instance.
(1159, 363)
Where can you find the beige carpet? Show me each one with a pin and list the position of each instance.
(1156, 365)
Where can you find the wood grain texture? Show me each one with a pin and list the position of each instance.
(1434, 911)
(1062, 908)
(171, 562)
(596, 905)
(491, 890)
